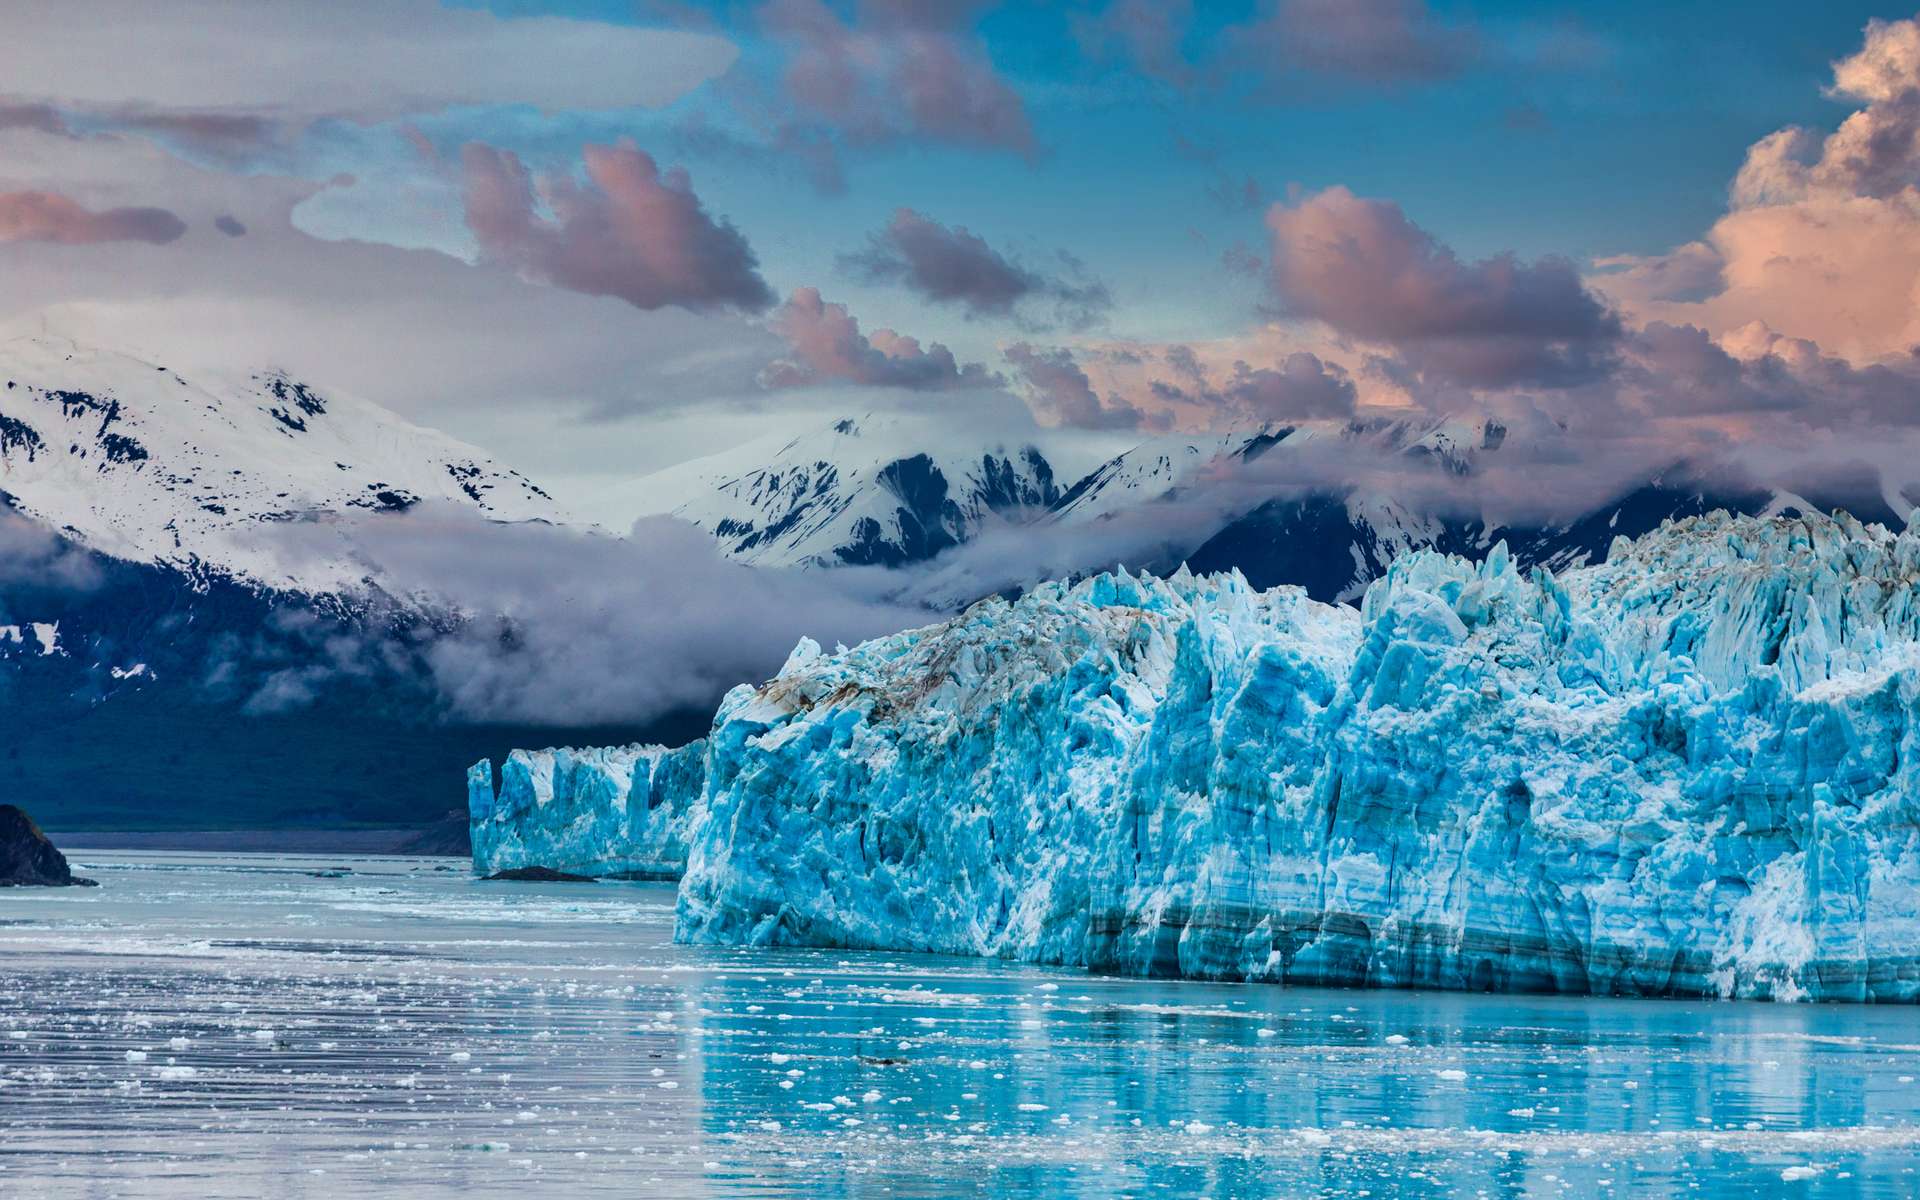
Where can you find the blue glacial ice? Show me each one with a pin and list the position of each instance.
(1689, 770)
(622, 811)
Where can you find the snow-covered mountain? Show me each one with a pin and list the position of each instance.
(139, 462)
(894, 490)
(160, 663)
(879, 489)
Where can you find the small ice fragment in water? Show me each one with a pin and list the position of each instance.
(136, 1056)
(1396, 1039)
(1451, 1073)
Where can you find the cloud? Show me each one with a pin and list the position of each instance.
(1822, 240)
(1692, 272)
(366, 60)
(1301, 387)
(1368, 272)
(42, 118)
(827, 346)
(569, 627)
(1284, 46)
(33, 557)
(1145, 34)
(1680, 370)
(1374, 41)
(907, 72)
(1058, 389)
(51, 217)
(952, 265)
(543, 377)
(629, 231)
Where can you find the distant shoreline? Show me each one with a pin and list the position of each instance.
(261, 841)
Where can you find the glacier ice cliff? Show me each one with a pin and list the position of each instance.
(1689, 770)
(619, 812)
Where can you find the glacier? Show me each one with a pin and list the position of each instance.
(1689, 770)
(612, 812)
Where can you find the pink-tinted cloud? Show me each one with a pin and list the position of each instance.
(1059, 390)
(1692, 272)
(828, 347)
(1144, 34)
(51, 217)
(42, 118)
(1367, 271)
(1377, 41)
(1822, 242)
(1301, 388)
(630, 230)
(905, 72)
(1285, 44)
(952, 265)
(944, 15)
(1753, 372)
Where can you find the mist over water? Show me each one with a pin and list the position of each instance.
(319, 1026)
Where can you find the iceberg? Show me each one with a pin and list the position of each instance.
(1689, 770)
(618, 812)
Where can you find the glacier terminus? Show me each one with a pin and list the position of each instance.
(1688, 770)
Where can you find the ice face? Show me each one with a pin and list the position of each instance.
(620, 811)
(1689, 770)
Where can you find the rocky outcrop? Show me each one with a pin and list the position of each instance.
(27, 858)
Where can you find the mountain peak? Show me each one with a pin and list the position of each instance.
(141, 462)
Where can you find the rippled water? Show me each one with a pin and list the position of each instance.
(271, 1026)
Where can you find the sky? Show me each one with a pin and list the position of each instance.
(599, 237)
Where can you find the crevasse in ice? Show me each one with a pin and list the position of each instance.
(1688, 770)
(618, 811)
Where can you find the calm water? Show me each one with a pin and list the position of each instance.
(241, 1027)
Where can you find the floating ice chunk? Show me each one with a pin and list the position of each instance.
(624, 810)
